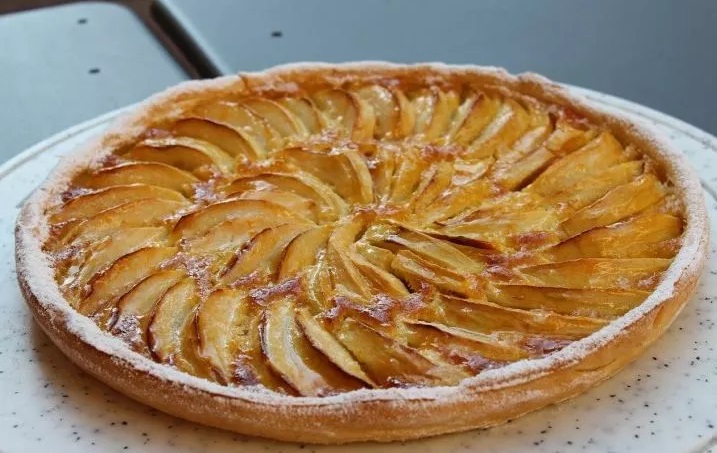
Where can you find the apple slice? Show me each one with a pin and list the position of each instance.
(379, 280)
(604, 303)
(113, 247)
(571, 133)
(289, 200)
(121, 276)
(434, 182)
(629, 239)
(416, 270)
(322, 340)
(620, 203)
(254, 129)
(277, 116)
(567, 172)
(184, 153)
(305, 112)
(345, 170)
(291, 354)
(303, 251)
(382, 168)
(222, 318)
(343, 271)
(331, 206)
(435, 250)
(407, 176)
(154, 173)
(598, 273)
(199, 222)
(485, 317)
(171, 333)
(139, 213)
(445, 104)
(346, 113)
(317, 282)
(263, 253)
(509, 124)
(394, 115)
(514, 175)
(226, 138)
(134, 308)
(458, 199)
(474, 115)
(386, 361)
(231, 234)
(93, 203)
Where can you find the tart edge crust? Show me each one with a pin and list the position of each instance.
(485, 400)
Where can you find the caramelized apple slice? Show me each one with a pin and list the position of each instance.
(343, 271)
(394, 115)
(407, 177)
(227, 139)
(171, 333)
(154, 173)
(304, 111)
(604, 303)
(567, 172)
(277, 116)
(291, 354)
(93, 203)
(113, 247)
(387, 362)
(132, 317)
(632, 238)
(289, 200)
(184, 153)
(222, 318)
(140, 213)
(198, 223)
(303, 251)
(445, 104)
(458, 199)
(474, 115)
(435, 250)
(119, 278)
(331, 206)
(570, 133)
(434, 182)
(510, 123)
(318, 286)
(416, 270)
(598, 273)
(255, 130)
(232, 234)
(347, 113)
(514, 175)
(262, 254)
(382, 168)
(343, 169)
(379, 279)
(619, 203)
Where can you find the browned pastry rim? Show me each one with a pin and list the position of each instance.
(490, 398)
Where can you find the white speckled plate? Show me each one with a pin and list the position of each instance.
(665, 401)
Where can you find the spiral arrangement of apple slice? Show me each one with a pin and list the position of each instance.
(363, 236)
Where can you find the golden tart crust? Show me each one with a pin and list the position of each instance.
(489, 245)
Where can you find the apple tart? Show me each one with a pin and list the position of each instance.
(337, 253)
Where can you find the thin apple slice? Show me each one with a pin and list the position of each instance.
(514, 175)
(346, 113)
(303, 251)
(263, 253)
(317, 282)
(154, 173)
(394, 115)
(620, 203)
(458, 343)
(231, 234)
(343, 271)
(199, 222)
(445, 104)
(567, 172)
(598, 273)
(379, 279)
(382, 168)
(480, 111)
(115, 246)
(485, 317)
(184, 153)
(434, 182)
(226, 138)
(134, 308)
(292, 355)
(458, 199)
(509, 124)
(305, 112)
(345, 170)
(628, 239)
(171, 333)
(255, 130)
(93, 203)
(571, 133)
(422, 104)
(407, 176)
(277, 116)
(140, 213)
(222, 318)
(377, 256)
(386, 361)
(416, 270)
(325, 342)
(435, 250)
(119, 278)
(330, 205)
(604, 303)
(295, 203)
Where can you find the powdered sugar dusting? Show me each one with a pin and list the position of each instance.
(35, 267)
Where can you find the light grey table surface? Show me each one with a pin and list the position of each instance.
(63, 65)
(660, 53)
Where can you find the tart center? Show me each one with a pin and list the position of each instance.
(374, 235)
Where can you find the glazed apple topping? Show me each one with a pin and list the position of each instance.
(360, 236)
